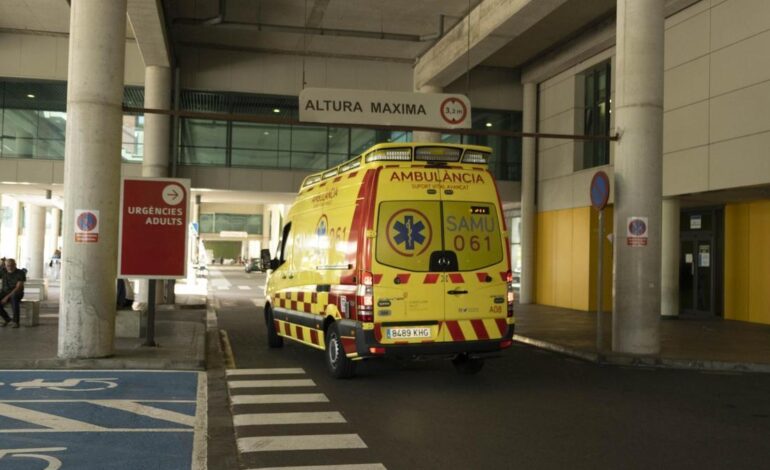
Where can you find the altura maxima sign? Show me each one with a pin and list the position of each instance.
(331, 105)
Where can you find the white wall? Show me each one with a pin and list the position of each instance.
(716, 104)
(717, 97)
(44, 57)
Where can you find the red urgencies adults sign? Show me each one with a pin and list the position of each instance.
(153, 228)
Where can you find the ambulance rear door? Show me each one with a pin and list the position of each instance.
(408, 294)
(474, 244)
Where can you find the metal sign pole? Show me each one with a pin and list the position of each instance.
(150, 339)
(600, 285)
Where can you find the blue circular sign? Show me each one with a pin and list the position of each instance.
(86, 221)
(600, 190)
(637, 227)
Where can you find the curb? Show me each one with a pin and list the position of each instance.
(646, 361)
(195, 361)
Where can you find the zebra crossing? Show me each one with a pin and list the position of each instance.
(281, 422)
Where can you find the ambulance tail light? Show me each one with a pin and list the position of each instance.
(509, 284)
(365, 298)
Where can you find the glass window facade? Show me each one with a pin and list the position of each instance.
(215, 223)
(33, 121)
(597, 115)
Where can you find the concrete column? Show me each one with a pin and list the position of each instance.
(422, 136)
(157, 95)
(528, 184)
(34, 240)
(266, 227)
(669, 281)
(10, 230)
(16, 248)
(92, 176)
(155, 163)
(638, 175)
(52, 233)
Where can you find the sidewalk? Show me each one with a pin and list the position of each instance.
(180, 332)
(709, 344)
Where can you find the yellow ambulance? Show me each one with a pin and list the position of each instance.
(401, 251)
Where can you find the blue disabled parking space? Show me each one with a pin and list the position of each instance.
(100, 419)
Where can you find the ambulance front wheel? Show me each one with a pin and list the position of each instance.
(338, 363)
(467, 365)
(273, 340)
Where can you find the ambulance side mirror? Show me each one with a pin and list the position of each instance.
(274, 263)
(267, 263)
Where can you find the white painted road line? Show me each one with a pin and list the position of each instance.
(311, 442)
(46, 420)
(270, 383)
(279, 398)
(310, 417)
(244, 287)
(275, 371)
(149, 411)
(362, 466)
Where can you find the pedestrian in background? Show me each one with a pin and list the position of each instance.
(12, 291)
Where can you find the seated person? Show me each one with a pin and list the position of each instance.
(12, 291)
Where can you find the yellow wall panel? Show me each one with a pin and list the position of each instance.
(564, 252)
(543, 286)
(593, 258)
(759, 262)
(581, 257)
(563, 258)
(747, 262)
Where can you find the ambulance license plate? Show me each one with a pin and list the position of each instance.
(407, 333)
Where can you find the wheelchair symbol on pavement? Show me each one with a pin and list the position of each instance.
(68, 385)
(53, 462)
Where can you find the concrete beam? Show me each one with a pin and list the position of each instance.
(493, 24)
(146, 19)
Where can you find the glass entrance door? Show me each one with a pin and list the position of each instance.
(696, 275)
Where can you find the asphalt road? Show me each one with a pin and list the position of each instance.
(527, 409)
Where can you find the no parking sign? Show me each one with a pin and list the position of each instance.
(86, 226)
(637, 229)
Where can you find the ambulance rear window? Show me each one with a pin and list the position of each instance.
(407, 233)
(472, 232)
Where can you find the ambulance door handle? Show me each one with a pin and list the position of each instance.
(457, 292)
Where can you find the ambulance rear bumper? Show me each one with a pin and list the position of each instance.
(366, 341)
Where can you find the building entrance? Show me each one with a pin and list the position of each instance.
(700, 263)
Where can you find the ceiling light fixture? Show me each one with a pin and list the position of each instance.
(30, 95)
(276, 110)
(489, 124)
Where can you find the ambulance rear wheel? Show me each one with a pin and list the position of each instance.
(338, 363)
(467, 365)
(273, 340)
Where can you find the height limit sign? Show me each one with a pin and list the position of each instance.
(153, 228)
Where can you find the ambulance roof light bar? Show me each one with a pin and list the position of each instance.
(472, 156)
(397, 154)
(313, 179)
(350, 165)
(437, 154)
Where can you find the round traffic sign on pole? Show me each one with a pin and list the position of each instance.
(600, 190)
